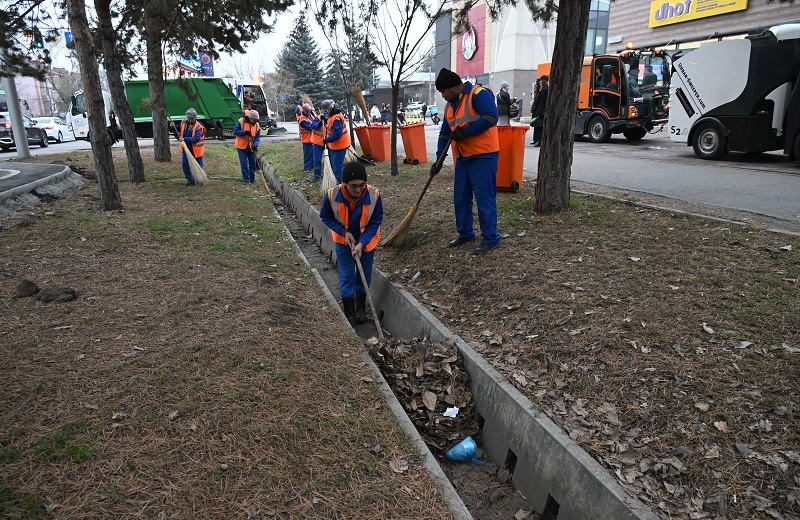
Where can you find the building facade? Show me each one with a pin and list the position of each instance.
(684, 24)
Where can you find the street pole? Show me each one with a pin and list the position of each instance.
(17, 125)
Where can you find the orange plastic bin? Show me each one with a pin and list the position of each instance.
(512, 152)
(414, 143)
(379, 142)
(363, 140)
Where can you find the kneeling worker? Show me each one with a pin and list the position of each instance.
(353, 211)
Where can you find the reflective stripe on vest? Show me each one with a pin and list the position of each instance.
(242, 143)
(342, 214)
(485, 142)
(305, 133)
(343, 141)
(199, 146)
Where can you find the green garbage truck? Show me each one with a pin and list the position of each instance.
(217, 107)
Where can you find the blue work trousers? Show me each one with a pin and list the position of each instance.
(318, 149)
(247, 161)
(349, 279)
(337, 162)
(308, 156)
(476, 176)
(187, 172)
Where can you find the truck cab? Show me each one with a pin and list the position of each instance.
(622, 93)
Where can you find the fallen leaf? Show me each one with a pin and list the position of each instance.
(173, 414)
(707, 328)
(635, 258)
(398, 465)
(429, 400)
(702, 406)
(722, 426)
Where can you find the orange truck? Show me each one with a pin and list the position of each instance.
(625, 93)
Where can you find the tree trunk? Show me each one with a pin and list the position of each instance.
(393, 116)
(555, 157)
(101, 141)
(108, 38)
(161, 151)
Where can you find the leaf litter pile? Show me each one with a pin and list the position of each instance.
(667, 346)
(432, 386)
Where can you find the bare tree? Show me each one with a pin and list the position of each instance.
(401, 33)
(101, 141)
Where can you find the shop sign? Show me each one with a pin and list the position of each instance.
(669, 12)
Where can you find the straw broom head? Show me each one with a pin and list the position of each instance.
(328, 178)
(198, 173)
(307, 99)
(362, 104)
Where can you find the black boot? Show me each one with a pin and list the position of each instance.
(349, 305)
(361, 307)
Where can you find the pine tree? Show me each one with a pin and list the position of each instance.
(299, 67)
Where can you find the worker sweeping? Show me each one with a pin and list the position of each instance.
(337, 137)
(353, 210)
(312, 135)
(248, 135)
(192, 136)
(470, 124)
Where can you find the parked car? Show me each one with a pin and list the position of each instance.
(36, 135)
(57, 129)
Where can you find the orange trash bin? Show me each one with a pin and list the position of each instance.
(363, 140)
(414, 143)
(379, 142)
(512, 152)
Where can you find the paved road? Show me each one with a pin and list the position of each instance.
(763, 186)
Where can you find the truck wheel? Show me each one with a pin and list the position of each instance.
(709, 143)
(598, 130)
(634, 134)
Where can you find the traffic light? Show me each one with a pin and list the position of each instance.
(38, 39)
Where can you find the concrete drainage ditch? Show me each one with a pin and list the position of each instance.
(550, 470)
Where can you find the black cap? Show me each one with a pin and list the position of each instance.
(545, 77)
(447, 79)
(354, 170)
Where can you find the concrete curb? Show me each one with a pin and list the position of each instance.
(548, 465)
(29, 187)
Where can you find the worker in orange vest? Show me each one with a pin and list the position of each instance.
(353, 211)
(248, 136)
(192, 136)
(337, 137)
(308, 124)
(471, 122)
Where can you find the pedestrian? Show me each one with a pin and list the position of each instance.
(375, 113)
(307, 123)
(248, 136)
(192, 136)
(470, 120)
(539, 104)
(337, 137)
(424, 111)
(401, 115)
(504, 102)
(353, 211)
(386, 114)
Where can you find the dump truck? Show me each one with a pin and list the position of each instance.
(739, 95)
(623, 93)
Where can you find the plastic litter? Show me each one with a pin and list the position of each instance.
(464, 450)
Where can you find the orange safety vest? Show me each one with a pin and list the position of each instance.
(342, 214)
(199, 146)
(305, 133)
(298, 112)
(318, 136)
(344, 141)
(464, 114)
(241, 142)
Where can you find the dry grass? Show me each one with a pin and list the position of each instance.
(666, 345)
(199, 374)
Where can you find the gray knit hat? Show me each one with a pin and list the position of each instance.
(191, 113)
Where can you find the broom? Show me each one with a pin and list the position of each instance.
(400, 233)
(328, 178)
(307, 99)
(198, 173)
(260, 168)
(362, 104)
(369, 298)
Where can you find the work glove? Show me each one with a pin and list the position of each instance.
(458, 134)
(435, 168)
(255, 149)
